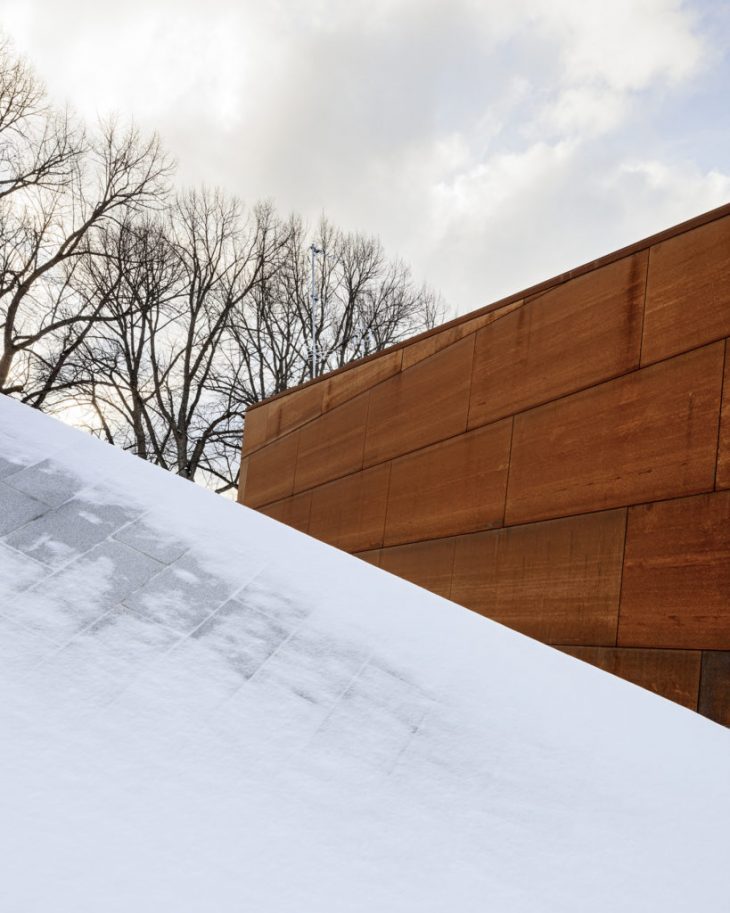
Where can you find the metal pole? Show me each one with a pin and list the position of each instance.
(314, 250)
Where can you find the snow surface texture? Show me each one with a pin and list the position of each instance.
(203, 710)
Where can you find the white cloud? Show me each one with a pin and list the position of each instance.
(585, 110)
(491, 144)
(626, 44)
(517, 220)
(667, 193)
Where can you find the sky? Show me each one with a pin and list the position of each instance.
(489, 144)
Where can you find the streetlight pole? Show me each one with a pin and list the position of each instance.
(314, 250)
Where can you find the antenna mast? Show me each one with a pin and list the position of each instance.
(314, 250)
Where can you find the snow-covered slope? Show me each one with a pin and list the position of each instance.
(203, 710)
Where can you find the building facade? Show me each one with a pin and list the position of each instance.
(558, 461)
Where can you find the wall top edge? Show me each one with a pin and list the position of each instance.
(666, 234)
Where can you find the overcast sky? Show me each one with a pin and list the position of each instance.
(490, 144)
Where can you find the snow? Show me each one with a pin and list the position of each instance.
(203, 710)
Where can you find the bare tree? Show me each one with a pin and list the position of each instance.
(152, 372)
(38, 147)
(156, 323)
(365, 303)
(58, 189)
(207, 313)
(216, 249)
(134, 272)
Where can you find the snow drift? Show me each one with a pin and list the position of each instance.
(203, 710)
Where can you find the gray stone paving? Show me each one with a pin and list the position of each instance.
(60, 535)
(47, 482)
(19, 571)
(242, 636)
(145, 538)
(9, 466)
(17, 509)
(115, 611)
(182, 596)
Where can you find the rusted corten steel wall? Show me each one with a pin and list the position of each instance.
(559, 462)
